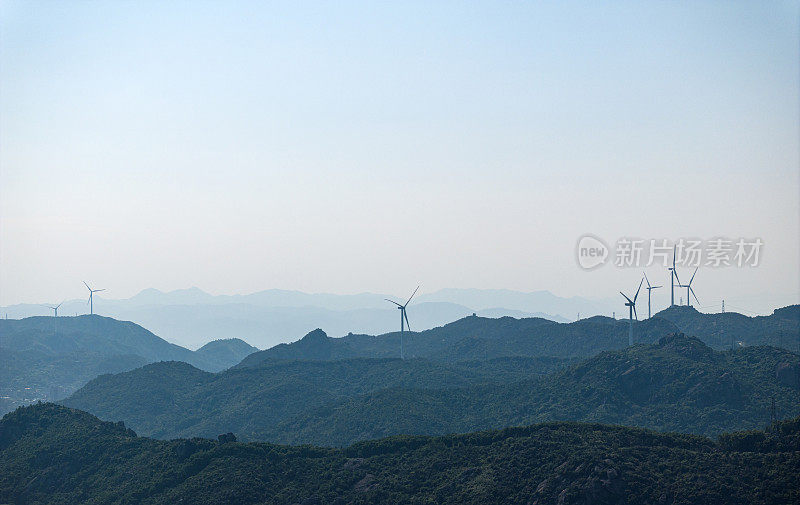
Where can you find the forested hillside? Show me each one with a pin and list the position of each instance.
(676, 384)
(55, 455)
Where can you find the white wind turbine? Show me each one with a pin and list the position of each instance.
(631, 304)
(91, 296)
(403, 320)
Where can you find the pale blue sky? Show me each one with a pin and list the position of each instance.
(350, 147)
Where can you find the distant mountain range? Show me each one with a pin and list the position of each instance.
(46, 358)
(44, 361)
(55, 455)
(191, 317)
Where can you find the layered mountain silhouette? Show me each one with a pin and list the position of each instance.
(678, 383)
(476, 337)
(46, 357)
(55, 455)
(191, 317)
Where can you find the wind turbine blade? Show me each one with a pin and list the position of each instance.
(87, 286)
(656, 287)
(637, 291)
(673, 256)
(635, 315)
(405, 314)
(98, 290)
(695, 273)
(392, 301)
(57, 306)
(626, 296)
(412, 296)
(695, 296)
(648, 280)
(676, 276)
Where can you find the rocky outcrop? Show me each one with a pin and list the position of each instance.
(588, 483)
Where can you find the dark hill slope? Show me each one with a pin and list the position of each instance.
(679, 384)
(51, 454)
(251, 400)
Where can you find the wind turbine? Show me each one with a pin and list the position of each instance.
(55, 315)
(690, 290)
(403, 320)
(91, 296)
(649, 289)
(54, 309)
(673, 277)
(631, 304)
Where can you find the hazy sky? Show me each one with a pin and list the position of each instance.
(349, 147)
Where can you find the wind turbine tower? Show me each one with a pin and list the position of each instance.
(649, 289)
(690, 290)
(673, 276)
(91, 296)
(55, 315)
(403, 320)
(631, 304)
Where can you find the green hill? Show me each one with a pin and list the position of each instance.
(50, 358)
(225, 352)
(676, 384)
(51, 454)
(173, 399)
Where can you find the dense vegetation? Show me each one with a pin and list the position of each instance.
(51, 454)
(676, 384)
(173, 399)
(49, 358)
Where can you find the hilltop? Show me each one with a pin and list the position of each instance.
(226, 351)
(678, 383)
(90, 461)
(723, 329)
